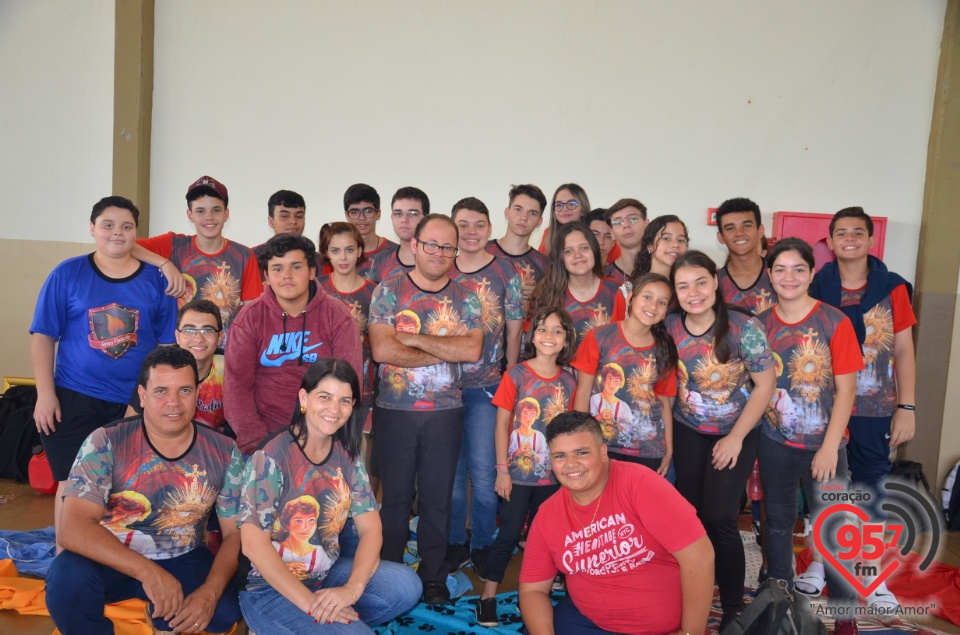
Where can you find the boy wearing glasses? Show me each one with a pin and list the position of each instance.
(418, 414)
(213, 267)
(524, 215)
(361, 206)
(200, 330)
(409, 206)
(627, 218)
(276, 338)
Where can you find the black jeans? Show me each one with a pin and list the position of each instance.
(716, 496)
(523, 498)
(418, 453)
(781, 470)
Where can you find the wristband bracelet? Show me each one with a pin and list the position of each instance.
(351, 593)
(905, 406)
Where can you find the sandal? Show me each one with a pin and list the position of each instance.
(811, 582)
(882, 601)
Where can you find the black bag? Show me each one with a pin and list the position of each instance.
(950, 497)
(776, 611)
(18, 432)
(912, 472)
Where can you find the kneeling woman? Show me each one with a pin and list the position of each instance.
(298, 491)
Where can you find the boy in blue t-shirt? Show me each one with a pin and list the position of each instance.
(102, 313)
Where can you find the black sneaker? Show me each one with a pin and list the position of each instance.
(487, 612)
(457, 556)
(478, 558)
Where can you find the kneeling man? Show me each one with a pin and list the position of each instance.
(137, 501)
(636, 558)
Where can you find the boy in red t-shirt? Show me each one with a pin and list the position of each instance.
(635, 556)
(214, 268)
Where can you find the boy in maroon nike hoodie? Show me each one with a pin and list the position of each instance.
(276, 338)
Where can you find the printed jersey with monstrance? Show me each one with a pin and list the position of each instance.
(877, 382)
(155, 505)
(386, 264)
(358, 303)
(619, 568)
(226, 278)
(533, 402)
(498, 290)
(808, 355)
(530, 265)
(759, 297)
(626, 391)
(711, 395)
(400, 303)
(608, 305)
(104, 327)
(365, 269)
(303, 505)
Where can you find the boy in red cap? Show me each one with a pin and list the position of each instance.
(213, 268)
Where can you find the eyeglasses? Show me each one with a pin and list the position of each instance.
(366, 212)
(399, 214)
(571, 205)
(633, 220)
(204, 332)
(432, 248)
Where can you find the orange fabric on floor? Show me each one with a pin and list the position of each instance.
(27, 597)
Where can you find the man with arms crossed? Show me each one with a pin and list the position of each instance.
(422, 327)
(635, 556)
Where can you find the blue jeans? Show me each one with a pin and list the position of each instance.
(78, 588)
(781, 470)
(478, 456)
(394, 589)
(568, 620)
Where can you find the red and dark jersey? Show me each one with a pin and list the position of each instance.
(606, 306)
(530, 265)
(808, 355)
(400, 303)
(227, 278)
(711, 395)
(358, 303)
(366, 268)
(877, 382)
(386, 264)
(498, 290)
(757, 298)
(626, 391)
(533, 402)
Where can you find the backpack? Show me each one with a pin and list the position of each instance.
(776, 611)
(950, 495)
(18, 432)
(912, 472)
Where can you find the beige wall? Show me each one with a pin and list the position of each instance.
(25, 265)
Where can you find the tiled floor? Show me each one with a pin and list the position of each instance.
(22, 509)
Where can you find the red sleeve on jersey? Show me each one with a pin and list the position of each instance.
(251, 285)
(161, 245)
(666, 385)
(587, 357)
(903, 315)
(845, 350)
(543, 242)
(506, 395)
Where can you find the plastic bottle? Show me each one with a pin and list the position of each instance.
(41, 478)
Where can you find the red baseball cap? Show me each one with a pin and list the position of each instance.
(209, 183)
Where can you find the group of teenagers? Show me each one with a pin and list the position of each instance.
(599, 401)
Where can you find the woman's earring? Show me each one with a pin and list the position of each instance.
(303, 410)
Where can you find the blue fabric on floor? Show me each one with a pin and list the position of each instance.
(457, 617)
(32, 551)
